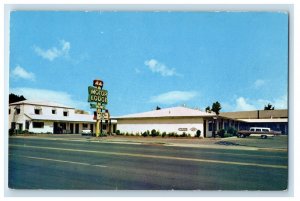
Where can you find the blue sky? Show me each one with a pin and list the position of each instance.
(149, 59)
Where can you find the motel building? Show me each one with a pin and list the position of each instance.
(186, 120)
(48, 117)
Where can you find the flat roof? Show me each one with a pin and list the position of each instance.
(264, 120)
(73, 118)
(40, 103)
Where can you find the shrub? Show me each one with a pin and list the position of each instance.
(172, 134)
(221, 132)
(145, 134)
(11, 131)
(232, 131)
(164, 134)
(138, 134)
(118, 132)
(198, 133)
(127, 134)
(154, 133)
(183, 134)
(189, 135)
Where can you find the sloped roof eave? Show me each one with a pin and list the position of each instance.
(154, 117)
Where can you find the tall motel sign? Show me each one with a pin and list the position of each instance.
(98, 100)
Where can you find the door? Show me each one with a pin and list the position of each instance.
(92, 128)
(204, 128)
(72, 128)
(55, 127)
(76, 128)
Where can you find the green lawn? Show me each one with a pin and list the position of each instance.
(280, 142)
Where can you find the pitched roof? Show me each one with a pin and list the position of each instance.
(40, 103)
(168, 112)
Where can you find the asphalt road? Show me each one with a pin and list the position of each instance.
(63, 164)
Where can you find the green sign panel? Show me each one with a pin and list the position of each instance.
(97, 95)
(97, 106)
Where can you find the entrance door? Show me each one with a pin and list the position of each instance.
(55, 127)
(72, 128)
(77, 128)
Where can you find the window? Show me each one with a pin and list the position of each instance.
(66, 113)
(104, 126)
(37, 111)
(258, 130)
(210, 125)
(9, 111)
(53, 111)
(18, 110)
(38, 124)
(27, 125)
(85, 126)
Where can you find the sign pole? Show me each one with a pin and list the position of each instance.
(98, 121)
(100, 110)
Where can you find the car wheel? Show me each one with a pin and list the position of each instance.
(242, 136)
(264, 137)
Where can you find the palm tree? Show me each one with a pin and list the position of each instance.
(269, 107)
(216, 107)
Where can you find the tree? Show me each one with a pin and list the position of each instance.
(15, 98)
(216, 107)
(158, 108)
(207, 109)
(269, 107)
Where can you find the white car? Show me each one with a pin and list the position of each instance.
(86, 132)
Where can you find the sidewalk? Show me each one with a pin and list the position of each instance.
(209, 143)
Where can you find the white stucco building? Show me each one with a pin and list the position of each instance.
(183, 119)
(176, 119)
(49, 117)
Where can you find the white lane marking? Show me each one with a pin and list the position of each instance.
(56, 160)
(158, 157)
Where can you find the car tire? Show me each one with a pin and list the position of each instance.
(264, 137)
(242, 136)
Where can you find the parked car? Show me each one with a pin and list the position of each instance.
(263, 132)
(86, 132)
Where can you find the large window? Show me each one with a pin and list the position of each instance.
(38, 124)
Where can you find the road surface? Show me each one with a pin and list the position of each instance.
(65, 164)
